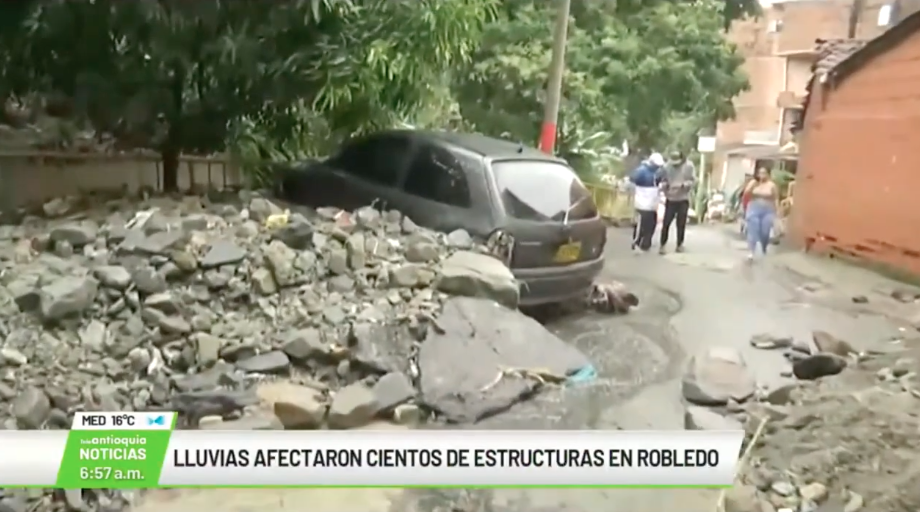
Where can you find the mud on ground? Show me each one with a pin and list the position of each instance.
(855, 434)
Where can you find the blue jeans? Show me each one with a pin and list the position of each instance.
(759, 223)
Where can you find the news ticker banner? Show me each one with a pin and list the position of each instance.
(143, 450)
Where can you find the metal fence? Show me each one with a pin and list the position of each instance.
(611, 203)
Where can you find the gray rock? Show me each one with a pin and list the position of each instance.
(716, 376)
(15, 503)
(24, 291)
(258, 421)
(337, 261)
(702, 418)
(357, 255)
(459, 363)
(165, 302)
(31, 408)
(459, 239)
(818, 365)
(161, 242)
(268, 362)
(279, 259)
(261, 209)
(421, 251)
(94, 335)
(67, 296)
(149, 281)
(297, 234)
(263, 282)
(304, 344)
(471, 274)
(769, 341)
(407, 275)
(9, 356)
(301, 407)
(352, 407)
(77, 234)
(407, 414)
(185, 261)
(113, 276)
(175, 325)
(222, 252)
(382, 348)
(208, 348)
(391, 390)
(827, 342)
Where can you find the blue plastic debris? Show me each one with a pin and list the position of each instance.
(583, 376)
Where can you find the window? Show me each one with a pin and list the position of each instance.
(884, 15)
(377, 159)
(436, 174)
(542, 191)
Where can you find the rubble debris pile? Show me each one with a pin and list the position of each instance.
(840, 436)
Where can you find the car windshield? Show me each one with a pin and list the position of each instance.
(542, 191)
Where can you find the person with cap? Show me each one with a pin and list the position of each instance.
(645, 179)
(678, 177)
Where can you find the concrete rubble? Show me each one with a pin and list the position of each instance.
(242, 314)
(839, 437)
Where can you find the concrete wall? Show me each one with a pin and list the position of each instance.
(29, 178)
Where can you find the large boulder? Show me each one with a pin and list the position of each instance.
(67, 296)
(716, 376)
(471, 274)
(459, 363)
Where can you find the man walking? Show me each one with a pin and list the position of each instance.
(645, 200)
(677, 177)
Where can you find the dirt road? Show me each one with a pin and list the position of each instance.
(704, 297)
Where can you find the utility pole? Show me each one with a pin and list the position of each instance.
(554, 84)
(853, 23)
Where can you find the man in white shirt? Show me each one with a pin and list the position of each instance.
(646, 195)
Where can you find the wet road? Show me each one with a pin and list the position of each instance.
(707, 296)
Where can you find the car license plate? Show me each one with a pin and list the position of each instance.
(567, 253)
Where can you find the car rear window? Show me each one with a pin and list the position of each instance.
(542, 191)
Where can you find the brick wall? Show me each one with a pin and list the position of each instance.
(858, 183)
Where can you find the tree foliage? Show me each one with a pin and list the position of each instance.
(632, 69)
(282, 79)
(180, 75)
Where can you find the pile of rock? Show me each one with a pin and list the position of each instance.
(186, 297)
(246, 315)
(841, 437)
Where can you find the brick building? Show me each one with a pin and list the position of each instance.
(857, 183)
(779, 49)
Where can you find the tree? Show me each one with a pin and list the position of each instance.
(178, 75)
(632, 66)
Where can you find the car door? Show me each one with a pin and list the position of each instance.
(436, 192)
(364, 171)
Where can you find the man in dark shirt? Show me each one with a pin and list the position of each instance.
(678, 177)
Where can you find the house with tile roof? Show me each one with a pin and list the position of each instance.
(857, 192)
(780, 52)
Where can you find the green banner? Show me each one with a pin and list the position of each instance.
(113, 459)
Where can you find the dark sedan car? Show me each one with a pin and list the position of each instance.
(494, 189)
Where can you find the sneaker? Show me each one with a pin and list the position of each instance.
(662, 250)
(680, 248)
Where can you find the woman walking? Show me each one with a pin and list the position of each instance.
(761, 210)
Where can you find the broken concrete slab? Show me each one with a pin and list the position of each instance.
(460, 366)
